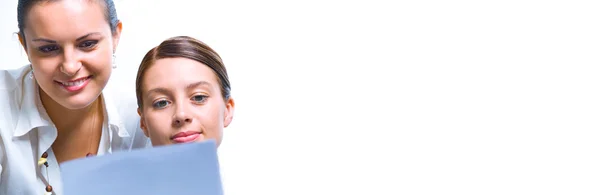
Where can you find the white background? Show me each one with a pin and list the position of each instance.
(390, 97)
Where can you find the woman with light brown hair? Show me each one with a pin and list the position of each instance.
(183, 93)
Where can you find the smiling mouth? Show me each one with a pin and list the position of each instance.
(75, 82)
(75, 85)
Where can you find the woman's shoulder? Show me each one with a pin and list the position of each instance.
(11, 92)
(9, 78)
(122, 97)
(122, 104)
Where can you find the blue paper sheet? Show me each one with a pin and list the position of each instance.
(178, 169)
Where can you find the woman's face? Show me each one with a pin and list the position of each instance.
(70, 45)
(182, 102)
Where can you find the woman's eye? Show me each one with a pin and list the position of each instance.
(199, 98)
(48, 48)
(160, 104)
(88, 44)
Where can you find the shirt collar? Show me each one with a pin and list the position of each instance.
(32, 113)
(114, 119)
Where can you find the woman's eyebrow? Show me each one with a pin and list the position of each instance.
(78, 39)
(197, 84)
(43, 40)
(89, 34)
(159, 90)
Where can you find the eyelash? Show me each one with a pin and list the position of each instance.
(86, 45)
(157, 106)
(48, 48)
(92, 44)
(204, 97)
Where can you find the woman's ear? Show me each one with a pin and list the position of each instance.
(22, 41)
(117, 36)
(142, 123)
(229, 108)
(23, 44)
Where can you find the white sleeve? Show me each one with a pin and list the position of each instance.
(139, 139)
(1, 159)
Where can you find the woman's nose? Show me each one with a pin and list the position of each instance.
(181, 116)
(71, 63)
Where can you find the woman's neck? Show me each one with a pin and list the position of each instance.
(67, 119)
(79, 131)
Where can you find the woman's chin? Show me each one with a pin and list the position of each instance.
(77, 102)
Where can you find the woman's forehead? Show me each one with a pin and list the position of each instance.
(180, 73)
(66, 18)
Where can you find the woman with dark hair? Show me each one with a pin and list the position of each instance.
(183, 93)
(59, 107)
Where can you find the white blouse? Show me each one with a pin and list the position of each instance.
(26, 132)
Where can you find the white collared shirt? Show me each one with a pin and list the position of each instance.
(26, 132)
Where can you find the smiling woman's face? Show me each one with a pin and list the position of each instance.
(70, 45)
(182, 102)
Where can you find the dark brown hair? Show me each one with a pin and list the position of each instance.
(23, 7)
(185, 47)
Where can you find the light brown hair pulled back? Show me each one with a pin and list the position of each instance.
(185, 47)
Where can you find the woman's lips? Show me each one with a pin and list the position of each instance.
(75, 85)
(187, 136)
